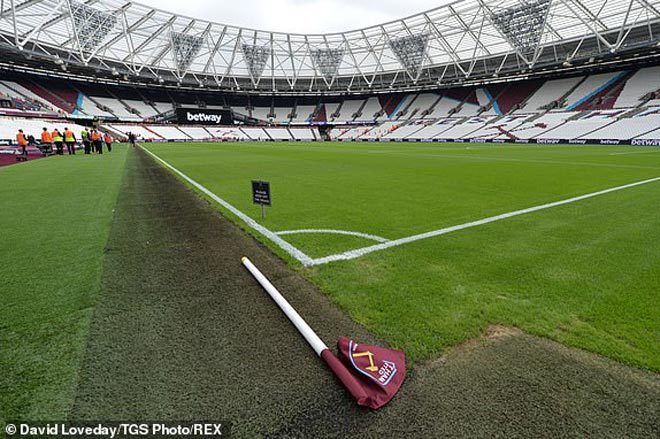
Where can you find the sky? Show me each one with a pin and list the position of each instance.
(297, 16)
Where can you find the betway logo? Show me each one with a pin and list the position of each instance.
(203, 117)
(548, 141)
(645, 142)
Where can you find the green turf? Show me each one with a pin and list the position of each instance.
(183, 331)
(587, 274)
(54, 223)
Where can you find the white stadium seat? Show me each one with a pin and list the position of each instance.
(550, 91)
(645, 81)
(9, 126)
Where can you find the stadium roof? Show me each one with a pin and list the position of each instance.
(457, 42)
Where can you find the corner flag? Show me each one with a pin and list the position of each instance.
(371, 374)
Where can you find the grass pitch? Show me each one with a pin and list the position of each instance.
(135, 306)
(54, 222)
(586, 274)
(183, 331)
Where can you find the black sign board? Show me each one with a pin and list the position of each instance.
(261, 192)
(203, 116)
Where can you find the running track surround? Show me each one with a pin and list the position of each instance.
(384, 243)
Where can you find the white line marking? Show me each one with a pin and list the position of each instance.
(352, 254)
(293, 251)
(356, 253)
(635, 152)
(336, 232)
(515, 160)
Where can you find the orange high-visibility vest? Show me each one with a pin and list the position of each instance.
(68, 136)
(46, 137)
(108, 139)
(57, 137)
(95, 136)
(20, 137)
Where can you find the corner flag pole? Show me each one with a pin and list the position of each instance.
(344, 375)
(314, 341)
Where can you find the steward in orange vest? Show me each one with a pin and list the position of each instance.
(46, 141)
(96, 140)
(22, 141)
(70, 140)
(107, 138)
(57, 140)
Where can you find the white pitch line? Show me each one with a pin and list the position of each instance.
(352, 254)
(635, 152)
(336, 232)
(293, 251)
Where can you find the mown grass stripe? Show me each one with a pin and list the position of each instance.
(352, 254)
(291, 250)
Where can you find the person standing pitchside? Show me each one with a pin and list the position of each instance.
(46, 141)
(22, 142)
(96, 140)
(84, 136)
(107, 138)
(57, 140)
(70, 140)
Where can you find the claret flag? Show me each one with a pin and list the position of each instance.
(371, 374)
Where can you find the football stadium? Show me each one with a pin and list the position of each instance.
(194, 212)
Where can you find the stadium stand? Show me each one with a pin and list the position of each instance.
(305, 133)
(487, 102)
(196, 133)
(515, 94)
(163, 107)
(227, 133)
(390, 105)
(260, 113)
(369, 111)
(303, 113)
(141, 132)
(419, 105)
(349, 109)
(653, 103)
(91, 108)
(642, 83)
(535, 126)
(15, 89)
(464, 128)
(580, 107)
(434, 130)
(144, 110)
(588, 88)
(255, 133)
(377, 132)
(442, 108)
(354, 133)
(9, 126)
(549, 93)
(468, 109)
(653, 135)
(330, 111)
(57, 93)
(406, 130)
(278, 133)
(628, 128)
(282, 115)
(168, 132)
(573, 129)
(501, 128)
(115, 107)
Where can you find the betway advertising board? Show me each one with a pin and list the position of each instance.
(203, 116)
